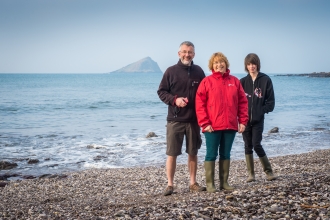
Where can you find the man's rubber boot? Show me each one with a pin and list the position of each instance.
(250, 167)
(224, 166)
(209, 167)
(267, 168)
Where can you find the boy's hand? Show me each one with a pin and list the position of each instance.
(241, 128)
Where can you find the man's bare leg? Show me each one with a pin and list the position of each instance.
(192, 166)
(170, 169)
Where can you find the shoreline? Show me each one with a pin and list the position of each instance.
(301, 191)
(278, 144)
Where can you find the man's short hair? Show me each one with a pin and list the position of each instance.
(252, 58)
(188, 43)
(218, 56)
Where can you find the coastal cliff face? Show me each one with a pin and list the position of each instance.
(145, 65)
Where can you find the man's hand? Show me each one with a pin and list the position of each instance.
(181, 102)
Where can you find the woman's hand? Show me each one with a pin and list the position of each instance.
(208, 129)
(241, 128)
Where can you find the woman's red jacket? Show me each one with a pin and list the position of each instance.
(221, 102)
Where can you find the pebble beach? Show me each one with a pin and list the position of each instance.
(302, 191)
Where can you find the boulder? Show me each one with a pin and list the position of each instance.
(274, 130)
(32, 161)
(5, 165)
(151, 134)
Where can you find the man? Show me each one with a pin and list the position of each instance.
(259, 90)
(178, 89)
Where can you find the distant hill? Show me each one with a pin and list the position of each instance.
(146, 65)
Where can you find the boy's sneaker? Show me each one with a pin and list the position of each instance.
(196, 188)
(168, 191)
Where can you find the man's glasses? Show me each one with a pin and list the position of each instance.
(187, 52)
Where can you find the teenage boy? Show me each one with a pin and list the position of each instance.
(259, 91)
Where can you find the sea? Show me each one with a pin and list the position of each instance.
(73, 122)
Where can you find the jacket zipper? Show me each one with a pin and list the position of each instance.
(252, 94)
(225, 95)
(189, 91)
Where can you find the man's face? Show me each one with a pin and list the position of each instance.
(252, 68)
(186, 54)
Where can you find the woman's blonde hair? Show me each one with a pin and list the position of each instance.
(218, 56)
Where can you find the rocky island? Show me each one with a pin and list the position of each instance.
(314, 74)
(145, 65)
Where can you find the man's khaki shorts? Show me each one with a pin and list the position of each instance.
(175, 133)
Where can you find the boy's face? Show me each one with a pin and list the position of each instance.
(252, 68)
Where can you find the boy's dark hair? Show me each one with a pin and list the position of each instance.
(252, 58)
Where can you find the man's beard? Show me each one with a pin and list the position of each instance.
(185, 62)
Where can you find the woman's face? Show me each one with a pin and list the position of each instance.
(219, 66)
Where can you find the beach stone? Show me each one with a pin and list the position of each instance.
(187, 214)
(5, 165)
(229, 197)
(120, 213)
(151, 134)
(28, 177)
(44, 175)
(4, 177)
(42, 216)
(274, 130)
(3, 184)
(32, 161)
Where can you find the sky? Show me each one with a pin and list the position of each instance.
(87, 36)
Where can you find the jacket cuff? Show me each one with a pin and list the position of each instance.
(174, 100)
(204, 126)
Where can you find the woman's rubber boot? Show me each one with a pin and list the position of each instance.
(267, 168)
(250, 167)
(209, 167)
(224, 166)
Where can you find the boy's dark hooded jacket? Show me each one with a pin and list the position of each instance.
(180, 80)
(260, 95)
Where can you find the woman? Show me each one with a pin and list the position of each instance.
(222, 110)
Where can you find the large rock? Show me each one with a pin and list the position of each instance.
(274, 130)
(5, 165)
(151, 134)
(32, 161)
